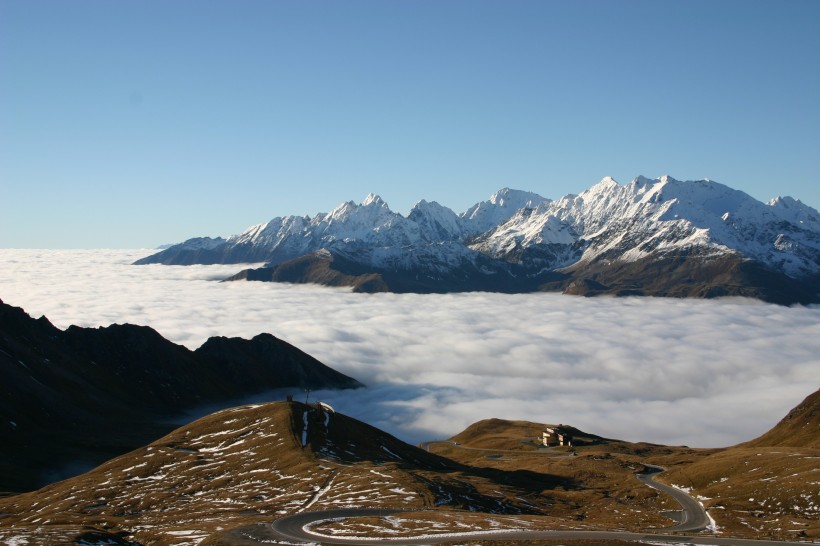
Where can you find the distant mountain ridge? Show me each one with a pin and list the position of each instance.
(659, 237)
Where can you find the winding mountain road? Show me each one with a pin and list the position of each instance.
(297, 527)
(695, 517)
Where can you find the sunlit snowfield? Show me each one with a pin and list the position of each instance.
(700, 373)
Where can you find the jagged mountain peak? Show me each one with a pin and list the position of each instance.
(507, 197)
(517, 235)
(373, 199)
(425, 204)
(607, 182)
(785, 201)
(499, 208)
(606, 186)
(790, 203)
(428, 207)
(342, 209)
(370, 205)
(203, 242)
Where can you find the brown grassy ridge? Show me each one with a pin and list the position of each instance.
(248, 465)
(609, 496)
(769, 486)
(243, 467)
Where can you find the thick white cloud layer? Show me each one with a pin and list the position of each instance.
(700, 373)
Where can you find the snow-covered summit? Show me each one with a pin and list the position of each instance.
(521, 235)
(202, 243)
(373, 199)
(501, 206)
(793, 210)
(436, 222)
(665, 215)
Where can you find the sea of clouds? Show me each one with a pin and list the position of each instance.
(693, 372)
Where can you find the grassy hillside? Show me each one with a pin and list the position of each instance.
(770, 485)
(230, 473)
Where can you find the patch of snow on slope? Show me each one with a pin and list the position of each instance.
(16, 541)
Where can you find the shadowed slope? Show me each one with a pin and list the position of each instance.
(71, 399)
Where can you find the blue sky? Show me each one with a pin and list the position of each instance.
(132, 124)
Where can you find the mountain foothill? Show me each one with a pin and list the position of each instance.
(661, 237)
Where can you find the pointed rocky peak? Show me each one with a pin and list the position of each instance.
(436, 221)
(501, 206)
(606, 188)
(780, 201)
(516, 199)
(430, 206)
(641, 185)
(796, 211)
(373, 199)
(252, 232)
(500, 196)
(342, 210)
(507, 198)
(788, 202)
(203, 242)
(431, 210)
(606, 185)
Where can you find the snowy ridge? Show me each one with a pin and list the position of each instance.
(371, 223)
(501, 206)
(648, 216)
(646, 219)
(202, 243)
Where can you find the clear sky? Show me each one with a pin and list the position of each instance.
(132, 124)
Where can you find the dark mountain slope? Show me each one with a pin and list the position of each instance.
(317, 268)
(420, 271)
(689, 273)
(70, 399)
(249, 363)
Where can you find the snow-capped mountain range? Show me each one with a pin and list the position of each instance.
(706, 238)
